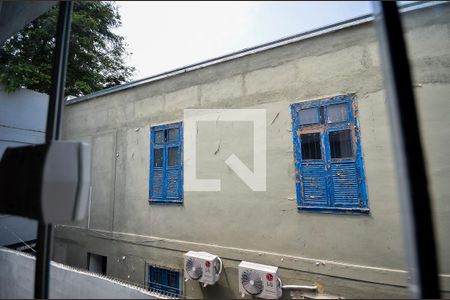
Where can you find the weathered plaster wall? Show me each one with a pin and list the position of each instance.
(263, 227)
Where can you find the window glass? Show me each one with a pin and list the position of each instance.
(311, 146)
(158, 158)
(337, 113)
(340, 143)
(173, 156)
(308, 116)
(159, 136)
(173, 135)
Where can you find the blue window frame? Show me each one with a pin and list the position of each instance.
(328, 156)
(166, 164)
(163, 281)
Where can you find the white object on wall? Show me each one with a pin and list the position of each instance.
(258, 280)
(203, 267)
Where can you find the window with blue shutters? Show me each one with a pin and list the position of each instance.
(328, 157)
(164, 281)
(166, 164)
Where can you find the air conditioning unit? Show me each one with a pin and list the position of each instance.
(259, 280)
(202, 267)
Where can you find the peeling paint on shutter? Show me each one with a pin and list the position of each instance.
(172, 183)
(157, 183)
(314, 184)
(344, 184)
(333, 182)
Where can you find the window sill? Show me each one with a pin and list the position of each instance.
(334, 210)
(165, 202)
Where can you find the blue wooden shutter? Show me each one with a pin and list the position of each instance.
(342, 153)
(344, 179)
(314, 185)
(157, 154)
(173, 162)
(313, 170)
(310, 158)
(334, 181)
(158, 184)
(166, 179)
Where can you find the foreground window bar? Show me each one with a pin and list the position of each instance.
(411, 171)
(45, 231)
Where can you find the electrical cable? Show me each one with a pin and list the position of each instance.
(300, 287)
(221, 265)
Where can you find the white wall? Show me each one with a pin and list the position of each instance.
(17, 281)
(23, 116)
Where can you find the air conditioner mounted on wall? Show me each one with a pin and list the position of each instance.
(202, 267)
(259, 280)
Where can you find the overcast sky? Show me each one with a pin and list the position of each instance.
(167, 35)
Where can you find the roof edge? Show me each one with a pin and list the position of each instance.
(248, 51)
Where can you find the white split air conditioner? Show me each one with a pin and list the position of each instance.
(259, 280)
(202, 266)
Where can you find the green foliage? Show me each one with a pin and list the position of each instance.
(96, 53)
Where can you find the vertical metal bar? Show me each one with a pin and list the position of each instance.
(45, 231)
(56, 98)
(411, 170)
(44, 251)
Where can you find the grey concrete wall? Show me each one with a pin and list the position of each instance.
(347, 255)
(431, 76)
(17, 281)
(23, 115)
